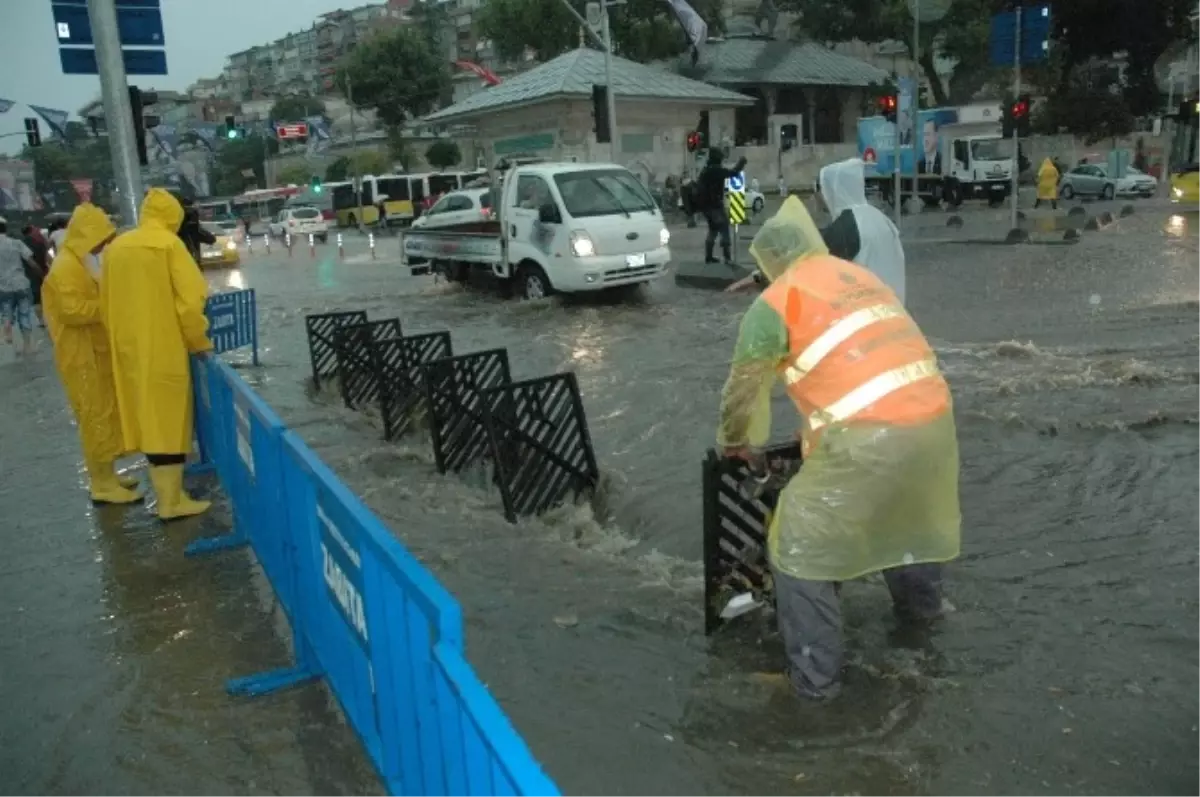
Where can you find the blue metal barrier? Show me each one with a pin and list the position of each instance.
(233, 321)
(365, 614)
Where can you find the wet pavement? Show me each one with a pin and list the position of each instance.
(1069, 665)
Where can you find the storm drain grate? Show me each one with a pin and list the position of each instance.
(540, 443)
(358, 375)
(737, 507)
(452, 387)
(320, 329)
(397, 364)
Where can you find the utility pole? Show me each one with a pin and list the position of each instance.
(915, 101)
(1016, 133)
(354, 153)
(117, 111)
(606, 28)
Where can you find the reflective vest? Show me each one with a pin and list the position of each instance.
(854, 353)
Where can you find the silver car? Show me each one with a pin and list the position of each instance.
(1087, 179)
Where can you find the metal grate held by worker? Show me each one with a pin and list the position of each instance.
(738, 501)
(319, 328)
(452, 386)
(540, 443)
(357, 373)
(397, 364)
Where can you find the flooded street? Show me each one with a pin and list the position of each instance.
(1068, 666)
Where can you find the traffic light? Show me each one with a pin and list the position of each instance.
(1016, 117)
(600, 114)
(33, 135)
(231, 130)
(138, 102)
(314, 184)
(887, 107)
(695, 141)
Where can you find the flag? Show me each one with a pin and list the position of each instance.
(56, 119)
(5, 105)
(694, 26)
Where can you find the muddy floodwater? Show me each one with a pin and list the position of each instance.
(1068, 664)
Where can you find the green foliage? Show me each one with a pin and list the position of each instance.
(962, 34)
(238, 159)
(397, 73)
(295, 109)
(1093, 114)
(643, 31)
(443, 154)
(368, 162)
(294, 175)
(398, 148)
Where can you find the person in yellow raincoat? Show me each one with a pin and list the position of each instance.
(1047, 184)
(878, 490)
(71, 305)
(153, 298)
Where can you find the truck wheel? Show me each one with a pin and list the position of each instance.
(532, 282)
(457, 272)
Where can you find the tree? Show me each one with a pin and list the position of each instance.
(239, 163)
(294, 175)
(294, 109)
(368, 162)
(1093, 113)
(442, 154)
(962, 34)
(643, 31)
(338, 170)
(397, 73)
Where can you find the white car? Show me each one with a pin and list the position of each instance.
(465, 206)
(1135, 183)
(300, 221)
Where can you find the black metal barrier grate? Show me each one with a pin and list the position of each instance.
(737, 507)
(398, 373)
(540, 443)
(320, 329)
(452, 386)
(357, 372)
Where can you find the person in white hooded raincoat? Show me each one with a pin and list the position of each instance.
(859, 233)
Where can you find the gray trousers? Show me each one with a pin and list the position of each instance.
(810, 621)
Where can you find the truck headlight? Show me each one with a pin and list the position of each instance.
(582, 244)
(664, 237)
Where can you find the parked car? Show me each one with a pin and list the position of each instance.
(222, 252)
(1087, 179)
(1135, 183)
(465, 206)
(300, 221)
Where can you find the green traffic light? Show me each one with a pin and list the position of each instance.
(231, 134)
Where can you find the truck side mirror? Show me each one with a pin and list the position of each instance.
(548, 213)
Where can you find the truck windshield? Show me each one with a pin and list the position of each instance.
(602, 192)
(991, 149)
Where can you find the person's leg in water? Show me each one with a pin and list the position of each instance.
(8, 309)
(726, 249)
(712, 218)
(916, 592)
(24, 320)
(810, 623)
(166, 474)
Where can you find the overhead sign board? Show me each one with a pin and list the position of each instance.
(294, 130)
(139, 24)
(82, 61)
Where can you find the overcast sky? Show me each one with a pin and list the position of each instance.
(199, 34)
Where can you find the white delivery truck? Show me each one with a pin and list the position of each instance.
(558, 227)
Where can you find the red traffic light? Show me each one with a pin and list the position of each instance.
(1019, 109)
(887, 103)
(693, 141)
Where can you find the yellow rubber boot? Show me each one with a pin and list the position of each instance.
(106, 488)
(173, 502)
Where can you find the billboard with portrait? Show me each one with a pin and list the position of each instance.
(877, 141)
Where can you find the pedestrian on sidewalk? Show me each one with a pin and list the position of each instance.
(1047, 187)
(16, 293)
(33, 238)
(710, 201)
(152, 298)
(72, 305)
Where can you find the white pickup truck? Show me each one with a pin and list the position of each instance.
(559, 227)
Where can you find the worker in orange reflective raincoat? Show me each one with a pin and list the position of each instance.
(1047, 184)
(71, 303)
(879, 487)
(153, 300)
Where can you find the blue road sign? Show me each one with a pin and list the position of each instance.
(1035, 36)
(737, 182)
(137, 27)
(82, 61)
(127, 3)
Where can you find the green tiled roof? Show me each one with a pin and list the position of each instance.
(744, 61)
(574, 73)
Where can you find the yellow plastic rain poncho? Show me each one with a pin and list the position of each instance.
(71, 304)
(1047, 180)
(870, 496)
(153, 300)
